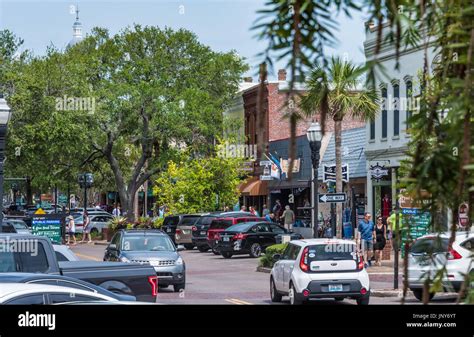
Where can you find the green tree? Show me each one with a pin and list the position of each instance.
(199, 185)
(339, 85)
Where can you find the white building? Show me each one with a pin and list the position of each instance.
(76, 31)
(387, 135)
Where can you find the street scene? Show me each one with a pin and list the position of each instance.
(283, 153)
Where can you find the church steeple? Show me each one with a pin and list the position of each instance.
(76, 30)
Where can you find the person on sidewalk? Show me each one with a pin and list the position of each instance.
(380, 234)
(270, 217)
(365, 236)
(86, 229)
(71, 229)
(265, 210)
(289, 218)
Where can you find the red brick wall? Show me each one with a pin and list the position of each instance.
(279, 127)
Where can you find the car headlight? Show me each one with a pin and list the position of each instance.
(124, 259)
(179, 261)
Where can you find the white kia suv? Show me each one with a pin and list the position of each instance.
(429, 254)
(319, 268)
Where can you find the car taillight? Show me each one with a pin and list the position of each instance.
(239, 236)
(304, 260)
(178, 231)
(153, 280)
(217, 236)
(454, 255)
(194, 228)
(363, 291)
(360, 263)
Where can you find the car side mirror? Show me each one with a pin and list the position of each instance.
(276, 257)
(112, 246)
(180, 248)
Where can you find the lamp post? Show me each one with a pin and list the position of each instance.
(85, 181)
(314, 136)
(5, 113)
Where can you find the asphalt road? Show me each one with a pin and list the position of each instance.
(211, 279)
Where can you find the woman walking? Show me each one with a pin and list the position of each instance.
(71, 229)
(380, 233)
(86, 232)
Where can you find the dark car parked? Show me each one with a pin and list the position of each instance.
(251, 238)
(222, 223)
(201, 226)
(171, 222)
(63, 281)
(149, 247)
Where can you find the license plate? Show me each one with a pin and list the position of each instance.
(225, 238)
(168, 230)
(335, 287)
(203, 232)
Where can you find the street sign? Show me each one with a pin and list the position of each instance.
(265, 163)
(329, 173)
(49, 225)
(332, 197)
(266, 177)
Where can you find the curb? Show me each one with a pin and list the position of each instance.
(389, 293)
(264, 269)
(101, 243)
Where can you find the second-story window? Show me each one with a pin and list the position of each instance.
(384, 112)
(396, 111)
(409, 98)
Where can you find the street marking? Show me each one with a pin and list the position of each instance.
(237, 301)
(87, 257)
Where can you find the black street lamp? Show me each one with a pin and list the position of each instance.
(314, 136)
(5, 113)
(85, 181)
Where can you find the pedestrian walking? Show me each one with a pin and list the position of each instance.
(289, 218)
(253, 211)
(380, 234)
(243, 208)
(265, 210)
(86, 229)
(277, 209)
(270, 217)
(71, 229)
(365, 236)
(116, 212)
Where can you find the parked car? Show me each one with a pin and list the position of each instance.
(319, 268)
(150, 247)
(222, 223)
(430, 253)
(64, 253)
(39, 256)
(63, 281)
(250, 238)
(171, 222)
(184, 231)
(19, 225)
(99, 221)
(34, 294)
(199, 234)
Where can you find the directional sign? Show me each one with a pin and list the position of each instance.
(332, 197)
(329, 173)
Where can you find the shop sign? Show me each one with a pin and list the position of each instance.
(377, 171)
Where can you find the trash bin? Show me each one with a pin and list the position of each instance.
(347, 227)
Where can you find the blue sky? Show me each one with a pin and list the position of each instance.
(222, 24)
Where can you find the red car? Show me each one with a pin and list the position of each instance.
(220, 224)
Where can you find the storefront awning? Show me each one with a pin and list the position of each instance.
(254, 187)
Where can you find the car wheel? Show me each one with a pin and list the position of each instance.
(203, 249)
(178, 287)
(215, 251)
(189, 246)
(274, 295)
(255, 250)
(226, 255)
(363, 300)
(418, 293)
(293, 295)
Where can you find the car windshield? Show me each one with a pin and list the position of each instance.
(431, 245)
(332, 251)
(148, 243)
(220, 224)
(19, 224)
(238, 228)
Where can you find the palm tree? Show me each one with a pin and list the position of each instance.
(335, 89)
